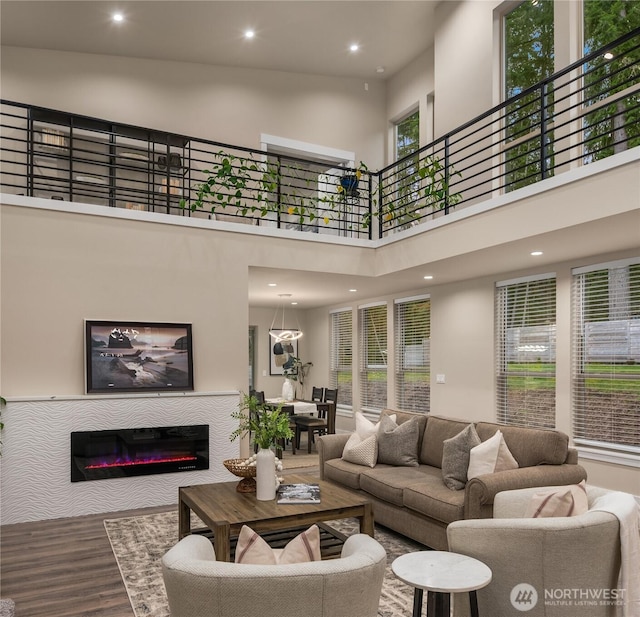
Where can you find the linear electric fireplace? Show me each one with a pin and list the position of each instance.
(97, 455)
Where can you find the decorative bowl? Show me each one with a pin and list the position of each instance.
(246, 472)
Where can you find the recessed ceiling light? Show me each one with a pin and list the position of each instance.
(428, 277)
(608, 56)
(117, 17)
(354, 47)
(272, 285)
(353, 290)
(249, 34)
(294, 303)
(536, 253)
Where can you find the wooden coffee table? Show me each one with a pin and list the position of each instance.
(224, 510)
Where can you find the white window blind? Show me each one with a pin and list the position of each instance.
(526, 351)
(373, 356)
(341, 355)
(606, 356)
(412, 353)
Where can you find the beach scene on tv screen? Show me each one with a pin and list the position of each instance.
(125, 357)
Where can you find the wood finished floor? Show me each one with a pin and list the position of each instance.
(65, 567)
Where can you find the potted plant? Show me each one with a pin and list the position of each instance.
(298, 371)
(349, 182)
(268, 424)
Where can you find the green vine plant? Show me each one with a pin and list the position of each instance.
(267, 423)
(264, 188)
(420, 185)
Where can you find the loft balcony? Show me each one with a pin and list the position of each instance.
(580, 115)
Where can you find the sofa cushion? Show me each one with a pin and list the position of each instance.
(387, 483)
(361, 451)
(433, 499)
(346, 473)
(403, 416)
(529, 446)
(490, 456)
(437, 430)
(398, 444)
(455, 457)
(560, 501)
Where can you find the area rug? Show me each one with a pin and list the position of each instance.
(139, 543)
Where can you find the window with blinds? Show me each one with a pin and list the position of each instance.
(606, 355)
(341, 355)
(373, 356)
(412, 353)
(526, 351)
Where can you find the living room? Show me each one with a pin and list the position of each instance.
(64, 263)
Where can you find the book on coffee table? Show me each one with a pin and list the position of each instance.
(299, 493)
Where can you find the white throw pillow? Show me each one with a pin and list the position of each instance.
(365, 428)
(490, 456)
(361, 451)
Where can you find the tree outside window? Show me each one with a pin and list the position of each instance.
(406, 184)
(529, 58)
(615, 126)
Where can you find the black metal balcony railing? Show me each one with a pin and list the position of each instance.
(586, 112)
(58, 155)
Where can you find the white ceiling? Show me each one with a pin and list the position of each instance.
(310, 36)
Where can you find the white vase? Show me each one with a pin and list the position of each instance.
(287, 390)
(265, 474)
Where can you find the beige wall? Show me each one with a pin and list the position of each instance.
(463, 56)
(60, 268)
(408, 90)
(210, 102)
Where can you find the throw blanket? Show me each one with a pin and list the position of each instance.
(626, 509)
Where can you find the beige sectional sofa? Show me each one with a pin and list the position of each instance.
(415, 500)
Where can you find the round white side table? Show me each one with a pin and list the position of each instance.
(441, 573)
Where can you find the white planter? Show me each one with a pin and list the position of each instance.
(287, 390)
(265, 475)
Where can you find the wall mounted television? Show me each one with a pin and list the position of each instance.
(135, 356)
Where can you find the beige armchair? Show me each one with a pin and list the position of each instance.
(571, 563)
(199, 586)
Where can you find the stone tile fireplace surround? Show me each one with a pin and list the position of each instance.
(34, 467)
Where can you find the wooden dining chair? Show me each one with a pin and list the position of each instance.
(324, 423)
(317, 394)
(259, 395)
(331, 396)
